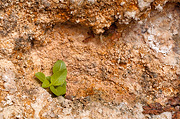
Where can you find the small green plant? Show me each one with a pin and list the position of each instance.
(56, 82)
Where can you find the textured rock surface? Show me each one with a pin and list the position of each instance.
(112, 75)
(96, 14)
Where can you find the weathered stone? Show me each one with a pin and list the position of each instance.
(133, 62)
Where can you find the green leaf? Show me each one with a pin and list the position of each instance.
(59, 78)
(56, 82)
(65, 83)
(48, 78)
(59, 90)
(40, 76)
(45, 84)
(59, 66)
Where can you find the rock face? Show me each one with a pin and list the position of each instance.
(96, 14)
(121, 56)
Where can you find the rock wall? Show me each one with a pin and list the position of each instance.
(95, 14)
(123, 58)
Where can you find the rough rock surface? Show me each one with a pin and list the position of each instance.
(95, 14)
(112, 75)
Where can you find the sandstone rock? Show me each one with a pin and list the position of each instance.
(133, 62)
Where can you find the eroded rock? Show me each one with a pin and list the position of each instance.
(112, 75)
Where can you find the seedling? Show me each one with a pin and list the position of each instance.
(56, 82)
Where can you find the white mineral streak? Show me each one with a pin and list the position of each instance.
(155, 43)
(130, 14)
(8, 75)
(67, 111)
(38, 105)
(159, 7)
(144, 4)
(9, 110)
(9, 100)
(164, 115)
(92, 1)
(122, 3)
